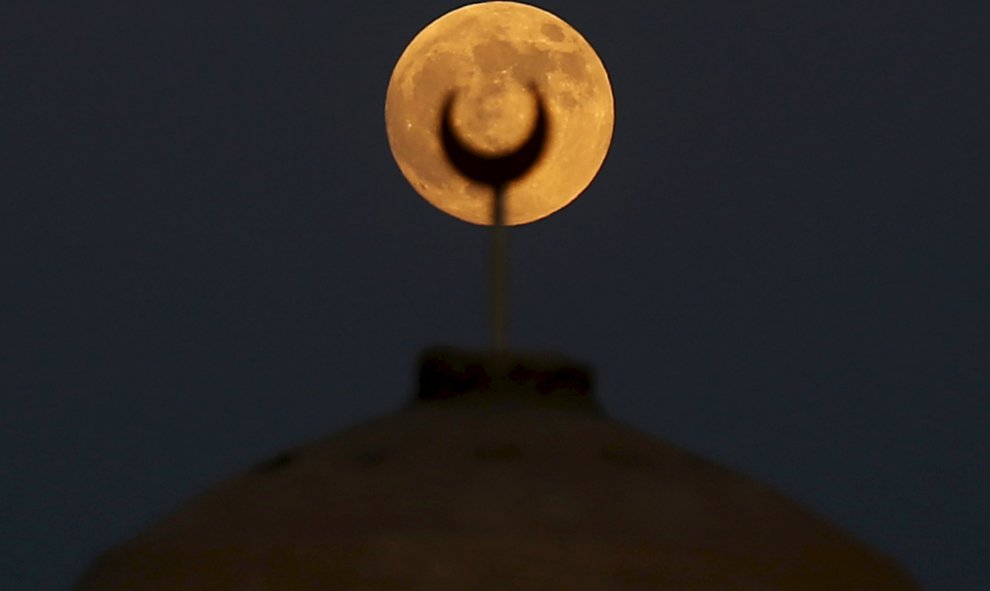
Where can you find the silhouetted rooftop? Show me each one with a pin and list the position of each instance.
(501, 474)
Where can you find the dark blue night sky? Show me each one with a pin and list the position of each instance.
(208, 255)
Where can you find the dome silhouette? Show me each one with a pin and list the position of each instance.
(501, 474)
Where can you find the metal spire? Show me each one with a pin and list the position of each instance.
(497, 172)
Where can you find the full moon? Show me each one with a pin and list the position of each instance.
(490, 55)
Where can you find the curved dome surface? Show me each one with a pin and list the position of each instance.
(476, 496)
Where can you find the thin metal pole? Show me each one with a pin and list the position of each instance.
(499, 295)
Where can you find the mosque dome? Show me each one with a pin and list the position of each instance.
(502, 474)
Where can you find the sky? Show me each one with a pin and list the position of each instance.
(208, 255)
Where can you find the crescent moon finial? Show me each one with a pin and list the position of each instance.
(496, 171)
(499, 170)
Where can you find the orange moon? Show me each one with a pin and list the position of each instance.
(489, 54)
